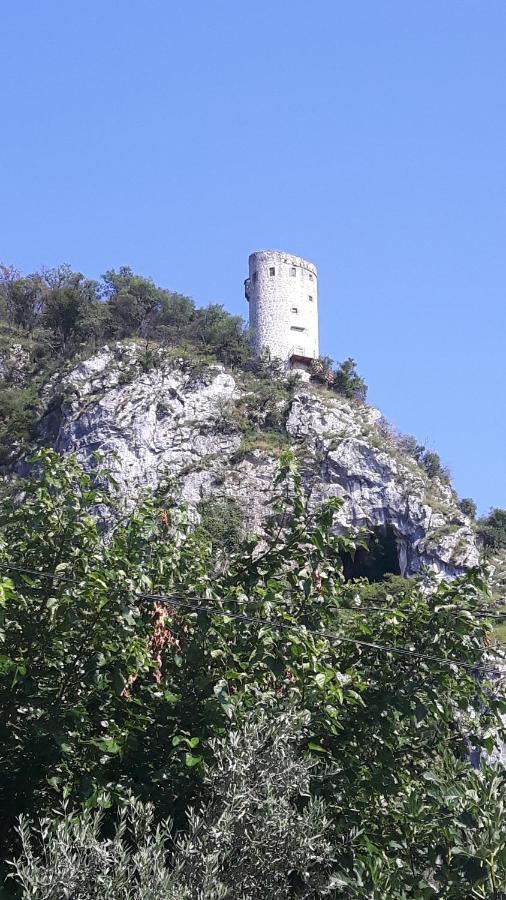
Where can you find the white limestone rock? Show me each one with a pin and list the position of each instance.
(170, 422)
(14, 365)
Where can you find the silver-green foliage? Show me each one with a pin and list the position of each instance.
(259, 835)
(67, 858)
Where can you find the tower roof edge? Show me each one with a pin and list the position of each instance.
(285, 255)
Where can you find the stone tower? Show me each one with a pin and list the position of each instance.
(282, 291)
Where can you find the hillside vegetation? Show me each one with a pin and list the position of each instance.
(55, 316)
(291, 736)
(51, 318)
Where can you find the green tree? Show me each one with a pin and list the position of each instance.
(104, 692)
(492, 529)
(222, 334)
(21, 298)
(348, 382)
(176, 319)
(71, 309)
(468, 507)
(134, 302)
(431, 462)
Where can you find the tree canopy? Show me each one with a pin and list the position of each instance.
(109, 690)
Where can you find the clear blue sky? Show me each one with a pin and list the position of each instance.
(366, 135)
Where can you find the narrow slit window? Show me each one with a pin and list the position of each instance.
(293, 271)
(295, 309)
(310, 298)
(272, 271)
(297, 328)
(310, 276)
(255, 277)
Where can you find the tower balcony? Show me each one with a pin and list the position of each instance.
(300, 355)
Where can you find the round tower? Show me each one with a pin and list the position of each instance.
(282, 291)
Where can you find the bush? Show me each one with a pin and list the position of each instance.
(18, 409)
(348, 382)
(221, 521)
(492, 529)
(69, 857)
(468, 507)
(392, 588)
(344, 379)
(431, 462)
(260, 835)
(411, 446)
(272, 442)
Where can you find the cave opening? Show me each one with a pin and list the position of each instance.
(379, 558)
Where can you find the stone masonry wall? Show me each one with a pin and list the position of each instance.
(282, 291)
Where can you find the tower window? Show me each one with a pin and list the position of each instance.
(295, 309)
(272, 271)
(296, 328)
(255, 277)
(310, 298)
(310, 276)
(293, 271)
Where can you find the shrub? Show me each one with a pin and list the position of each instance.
(468, 507)
(344, 379)
(392, 588)
(492, 529)
(272, 442)
(68, 857)
(18, 408)
(411, 446)
(267, 406)
(431, 462)
(221, 521)
(348, 382)
(261, 834)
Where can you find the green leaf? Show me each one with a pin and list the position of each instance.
(317, 748)
(192, 760)
(108, 745)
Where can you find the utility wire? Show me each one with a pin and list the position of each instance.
(296, 626)
(327, 635)
(248, 601)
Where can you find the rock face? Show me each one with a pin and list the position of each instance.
(14, 365)
(176, 422)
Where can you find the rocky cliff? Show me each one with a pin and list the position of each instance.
(207, 432)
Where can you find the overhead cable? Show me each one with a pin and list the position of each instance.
(330, 636)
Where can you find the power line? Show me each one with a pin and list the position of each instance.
(248, 601)
(326, 635)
